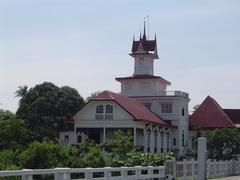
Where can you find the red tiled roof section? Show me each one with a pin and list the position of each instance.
(210, 115)
(133, 107)
(233, 114)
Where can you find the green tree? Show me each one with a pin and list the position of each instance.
(45, 106)
(122, 143)
(223, 143)
(8, 160)
(13, 133)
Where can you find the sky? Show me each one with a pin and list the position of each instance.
(85, 44)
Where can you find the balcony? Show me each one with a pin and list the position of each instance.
(104, 116)
(173, 93)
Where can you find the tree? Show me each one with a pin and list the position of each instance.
(93, 95)
(45, 106)
(122, 143)
(223, 143)
(22, 91)
(13, 133)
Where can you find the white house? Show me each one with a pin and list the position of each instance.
(158, 118)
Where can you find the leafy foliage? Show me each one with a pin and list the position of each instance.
(122, 143)
(45, 106)
(142, 159)
(8, 160)
(13, 133)
(223, 143)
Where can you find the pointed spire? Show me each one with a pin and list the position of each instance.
(134, 37)
(140, 38)
(144, 30)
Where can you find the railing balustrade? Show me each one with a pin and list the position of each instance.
(110, 173)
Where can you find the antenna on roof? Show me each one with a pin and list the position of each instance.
(144, 30)
(148, 25)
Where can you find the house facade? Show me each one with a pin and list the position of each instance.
(157, 118)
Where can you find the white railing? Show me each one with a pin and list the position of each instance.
(222, 168)
(188, 169)
(172, 93)
(110, 173)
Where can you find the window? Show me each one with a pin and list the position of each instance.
(183, 138)
(109, 109)
(183, 112)
(174, 141)
(99, 112)
(79, 139)
(66, 138)
(99, 109)
(166, 108)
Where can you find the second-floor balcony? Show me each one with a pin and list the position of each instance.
(172, 93)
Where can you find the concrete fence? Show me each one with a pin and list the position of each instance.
(188, 169)
(110, 173)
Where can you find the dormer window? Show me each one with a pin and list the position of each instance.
(99, 109)
(109, 109)
(104, 112)
(99, 112)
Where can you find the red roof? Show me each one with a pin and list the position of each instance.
(143, 77)
(210, 115)
(233, 114)
(133, 107)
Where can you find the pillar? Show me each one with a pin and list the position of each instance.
(202, 158)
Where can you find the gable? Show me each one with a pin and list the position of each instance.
(210, 115)
(88, 112)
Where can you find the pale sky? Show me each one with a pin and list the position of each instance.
(85, 45)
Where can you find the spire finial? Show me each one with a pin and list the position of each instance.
(144, 30)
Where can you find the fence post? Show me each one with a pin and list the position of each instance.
(174, 168)
(27, 176)
(88, 173)
(150, 171)
(107, 173)
(64, 174)
(184, 169)
(138, 172)
(124, 172)
(202, 158)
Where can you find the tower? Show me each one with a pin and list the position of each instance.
(144, 52)
(151, 90)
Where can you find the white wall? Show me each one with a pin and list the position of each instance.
(142, 87)
(62, 135)
(143, 66)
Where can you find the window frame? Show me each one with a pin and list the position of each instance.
(166, 108)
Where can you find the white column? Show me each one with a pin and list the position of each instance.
(152, 141)
(134, 136)
(159, 142)
(104, 135)
(201, 158)
(145, 139)
(165, 142)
